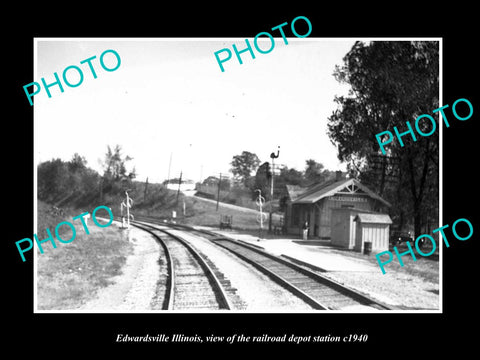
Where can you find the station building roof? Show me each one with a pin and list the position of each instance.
(294, 191)
(366, 218)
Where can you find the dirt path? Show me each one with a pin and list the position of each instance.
(134, 288)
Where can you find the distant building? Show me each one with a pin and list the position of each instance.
(184, 186)
(315, 204)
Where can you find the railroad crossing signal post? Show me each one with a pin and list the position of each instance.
(273, 157)
(127, 204)
(261, 216)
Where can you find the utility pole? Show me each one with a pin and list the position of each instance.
(101, 189)
(218, 190)
(273, 157)
(179, 184)
(145, 191)
(169, 165)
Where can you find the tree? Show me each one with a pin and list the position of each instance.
(289, 177)
(286, 177)
(114, 164)
(314, 172)
(243, 165)
(211, 181)
(53, 180)
(262, 182)
(78, 163)
(391, 83)
(77, 167)
(72, 180)
(115, 175)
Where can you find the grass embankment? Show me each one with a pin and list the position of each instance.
(70, 274)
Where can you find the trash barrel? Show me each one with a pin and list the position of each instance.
(367, 248)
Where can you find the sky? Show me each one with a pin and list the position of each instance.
(173, 110)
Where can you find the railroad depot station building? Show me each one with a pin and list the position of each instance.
(342, 210)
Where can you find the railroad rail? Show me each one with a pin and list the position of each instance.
(318, 291)
(191, 283)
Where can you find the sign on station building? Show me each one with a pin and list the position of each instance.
(315, 204)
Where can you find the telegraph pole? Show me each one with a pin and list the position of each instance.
(169, 166)
(145, 190)
(218, 191)
(179, 184)
(273, 157)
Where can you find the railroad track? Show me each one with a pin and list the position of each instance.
(318, 291)
(191, 284)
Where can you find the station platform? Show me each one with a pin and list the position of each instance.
(316, 254)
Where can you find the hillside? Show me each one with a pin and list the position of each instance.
(66, 189)
(159, 203)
